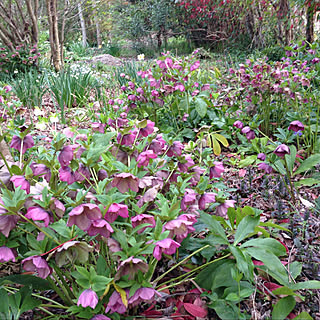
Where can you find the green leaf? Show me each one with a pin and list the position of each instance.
(27, 280)
(246, 161)
(244, 264)
(273, 225)
(214, 226)
(306, 182)
(312, 285)
(283, 307)
(291, 158)
(278, 165)
(245, 228)
(284, 291)
(308, 163)
(303, 316)
(100, 282)
(201, 107)
(222, 139)
(268, 244)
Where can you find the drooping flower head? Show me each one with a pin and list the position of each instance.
(142, 219)
(26, 143)
(130, 267)
(261, 156)
(216, 170)
(37, 264)
(22, 182)
(66, 155)
(125, 181)
(101, 227)
(175, 149)
(222, 209)
(296, 126)
(146, 295)
(88, 298)
(166, 246)
(248, 132)
(264, 166)
(281, 150)
(38, 214)
(179, 228)
(116, 304)
(115, 210)
(144, 157)
(205, 198)
(6, 254)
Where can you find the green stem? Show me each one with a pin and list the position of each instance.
(174, 285)
(196, 269)
(66, 296)
(58, 291)
(65, 284)
(181, 262)
(291, 191)
(6, 163)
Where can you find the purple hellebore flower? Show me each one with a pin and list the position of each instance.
(39, 169)
(115, 303)
(157, 144)
(197, 172)
(125, 181)
(21, 181)
(144, 157)
(130, 267)
(166, 246)
(238, 124)
(248, 132)
(7, 88)
(141, 219)
(261, 156)
(38, 214)
(179, 228)
(6, 254)
(264, 166)
(7, 222)
(147, 130)
(88, 298)
(57, 207)
(208, 197)
(222, 209)
(296, 126)
(179, 87)
(82, 173)
(100, 317)
(195, 66)
(127, 139)
(146, 295)
(205, 87)
(189, 198)
(37, 264)
(67, 175)
(100, 226)
(98, 127)
(83, 215)
(281, 150)
(185, 163)
(131, 85)
(217, 170)
(140, 91)
(66, 155)
(175, 149)
(27, 143)
(115, 210)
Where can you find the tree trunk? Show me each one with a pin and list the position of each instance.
(310, 13)
(96, 21)
(33, 13)
(83, 26)
(53, 34)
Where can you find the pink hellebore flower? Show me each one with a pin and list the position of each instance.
(261, 156)
(38, 214)
(179, 87)
(157, 145)
(195, 66)
(217, 170)
(147, 130)
(238, 124)
(65, 156)
(57, 207)
(37, 264)
(296, 126)
(166, 246)
(83, 215)
(39, 169)
(82, 173)
(101, 227)
(26, 144)
(175, 149)
(130, 267)
(100, 317)
(88, 298)
(115, 303)
(264, 166)
(21, 181)
(281, 150)
(98, 127)
(125, 181)
(7, 222)
(7, 88)
(67, 175)
(248, 132)
(127, 139)
(179, 228)
(142, 219)
(6, 254)
(222, 209)
(146, 295)
(186, 163)
(144, 157)
(189, 198)
(206, 198)
(115, 210)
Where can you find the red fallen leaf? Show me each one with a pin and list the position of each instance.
(195, 310)
(271, 286)
(242, 172)
(284, 221)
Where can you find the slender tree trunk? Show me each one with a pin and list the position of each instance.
(83, 26)
(53, 33)
(33, 13)
(310, 13)
(96, 21)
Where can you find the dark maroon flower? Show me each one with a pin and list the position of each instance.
(27, 143)
(65, 156)
(125, 181)
(281, 150)
(82, 173)
(39, 169)
(264, 166)
(157, 144)
(67, 175)
(147, 130)
(130, 267)
(37, 264)
(175, 149)
(296, 126)
(185, 163)
(248, 132)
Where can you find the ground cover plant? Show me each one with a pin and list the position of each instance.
(134, 211)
